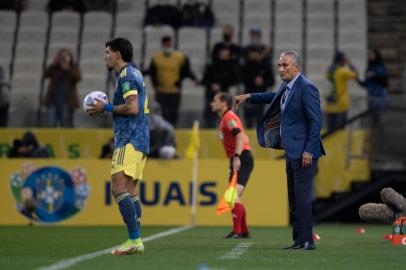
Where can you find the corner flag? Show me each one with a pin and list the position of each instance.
(230, 196)
(194, 143)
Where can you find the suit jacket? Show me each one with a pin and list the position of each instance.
(295, 129)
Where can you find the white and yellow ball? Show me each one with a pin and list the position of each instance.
(90, 99)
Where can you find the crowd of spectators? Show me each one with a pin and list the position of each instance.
(229, 65)
(340, 73)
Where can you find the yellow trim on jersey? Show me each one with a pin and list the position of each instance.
(129, 93)
(123, 72)
(128, 160)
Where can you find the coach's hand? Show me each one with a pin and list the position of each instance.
(238, 100)
(307, 160)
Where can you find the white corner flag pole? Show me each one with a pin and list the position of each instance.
(194, 178)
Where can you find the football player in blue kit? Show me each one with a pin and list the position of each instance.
(131, 138)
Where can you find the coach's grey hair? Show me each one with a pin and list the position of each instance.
(296, 57)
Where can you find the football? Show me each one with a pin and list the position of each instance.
(90, 99)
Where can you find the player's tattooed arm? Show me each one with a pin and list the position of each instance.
(129, 107)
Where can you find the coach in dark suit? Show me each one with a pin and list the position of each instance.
(293, 122)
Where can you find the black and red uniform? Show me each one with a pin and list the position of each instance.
(230, 126)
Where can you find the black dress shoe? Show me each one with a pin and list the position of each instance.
(309, 246)
(246, 235)
(294, 246)
(234, 235)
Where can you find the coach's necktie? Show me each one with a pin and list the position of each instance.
(285, 97)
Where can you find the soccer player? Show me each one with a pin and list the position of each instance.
(131, 138)
(238, 150)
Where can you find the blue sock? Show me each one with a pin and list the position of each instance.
(137, 206)
(127, 211)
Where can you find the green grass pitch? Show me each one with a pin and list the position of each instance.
(201, 248)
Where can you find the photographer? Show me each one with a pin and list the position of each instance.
(61, 98)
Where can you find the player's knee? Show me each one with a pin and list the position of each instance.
(119, 184)
(118, 190)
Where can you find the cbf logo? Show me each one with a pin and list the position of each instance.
(49, 194)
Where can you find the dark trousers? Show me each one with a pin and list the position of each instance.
(210, 117)
(170, 106)
(4, 115)
(300, 194)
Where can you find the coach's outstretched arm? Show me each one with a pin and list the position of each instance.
(240, 99)
(254, 98)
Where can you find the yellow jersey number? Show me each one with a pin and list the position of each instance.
(146, 109)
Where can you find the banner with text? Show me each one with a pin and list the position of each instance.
(78, 192)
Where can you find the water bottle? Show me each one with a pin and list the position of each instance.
(403, 226)
(397, 227)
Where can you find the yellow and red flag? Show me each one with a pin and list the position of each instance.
(230, 196)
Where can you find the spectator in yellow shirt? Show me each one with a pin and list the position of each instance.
(167, 70)
(338, 102)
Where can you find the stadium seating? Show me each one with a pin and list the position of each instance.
(192, 42)
(5, 57)
(98, 20)
(288, 27)
(170, 2)
(136, 6)
(352, 39)
(129, 26)
(24, 101)
(135, 36)
(8, 21)
(227, 12)
(38, 5)
(64, 33)
(127, 19)
(319, 42)
(33, 42)
(92, 65)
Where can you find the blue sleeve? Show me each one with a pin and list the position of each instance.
(312, 108)
(129, 85)
(261, 98)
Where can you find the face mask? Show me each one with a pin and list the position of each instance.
(167, 51)
(227, 37)
(256, 41)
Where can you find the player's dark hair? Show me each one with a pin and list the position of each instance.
(123, 46)
(226, 97)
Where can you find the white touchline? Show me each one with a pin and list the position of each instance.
(72, 261)
(237, 251)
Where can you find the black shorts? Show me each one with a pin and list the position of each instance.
(247, 164)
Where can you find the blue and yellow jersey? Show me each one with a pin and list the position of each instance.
(132, 129)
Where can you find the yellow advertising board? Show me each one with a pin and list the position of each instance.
(78, 192)
(346, 161)
(87, 143)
